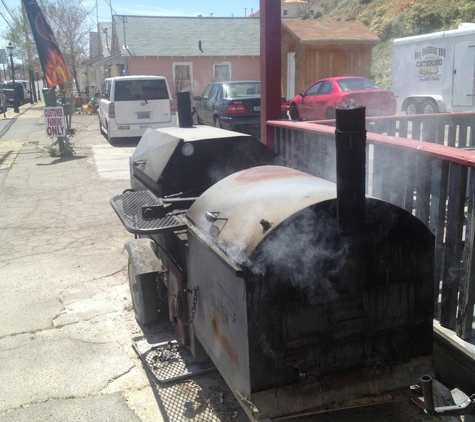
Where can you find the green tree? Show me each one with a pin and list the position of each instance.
(305, 9)
(15, 33)
(67, 19)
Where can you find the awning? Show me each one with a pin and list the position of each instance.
(113, 59)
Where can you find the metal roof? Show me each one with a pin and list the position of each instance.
(329, 32)
(180, 36)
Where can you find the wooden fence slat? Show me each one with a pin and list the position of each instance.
(452, 135)
(440, 131)
(393, 179)
(462, 143)
(467, 282)
(472, 132)
(391, 127)
(423, 183)
(438, 204)
(416, 128)
(409, 180)
(378, 170)
(453, 245)
(403, 128)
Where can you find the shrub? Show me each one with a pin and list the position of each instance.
(422, 18)
(380, 12)
(398, 26)
(468, 13)
(381, 27)
(452, 14)
(365, 20)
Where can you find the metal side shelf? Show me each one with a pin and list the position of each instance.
(128, 207)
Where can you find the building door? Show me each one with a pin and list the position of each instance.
(183, 77)
(464, 66)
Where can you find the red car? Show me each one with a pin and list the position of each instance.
(319, 101)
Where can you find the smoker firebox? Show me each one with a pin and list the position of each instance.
(300, 311)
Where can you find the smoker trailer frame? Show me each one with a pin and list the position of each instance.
(358, 333)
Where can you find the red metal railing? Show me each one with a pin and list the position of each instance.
(421, 163)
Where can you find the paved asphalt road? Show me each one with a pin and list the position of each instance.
(66, 319)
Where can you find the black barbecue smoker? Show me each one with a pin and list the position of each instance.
(307, 295)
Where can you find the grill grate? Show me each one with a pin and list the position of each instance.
(128, 207)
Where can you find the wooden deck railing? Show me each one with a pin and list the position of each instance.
(421, 163)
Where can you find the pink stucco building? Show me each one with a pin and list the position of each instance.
(190, 52)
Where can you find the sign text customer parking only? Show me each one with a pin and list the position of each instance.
(54, 121)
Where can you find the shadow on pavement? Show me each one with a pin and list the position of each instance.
(126, 142)
(60, 160)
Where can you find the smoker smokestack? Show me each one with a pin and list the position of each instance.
(350, 169)
(183, 104)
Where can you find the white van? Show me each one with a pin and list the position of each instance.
(129, 105)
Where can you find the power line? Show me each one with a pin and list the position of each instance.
(110, 5)
(7, 9)
(8, 23)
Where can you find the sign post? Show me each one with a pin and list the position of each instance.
(55, 125)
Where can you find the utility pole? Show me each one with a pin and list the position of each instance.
(38, 85)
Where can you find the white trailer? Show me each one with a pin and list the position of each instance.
(434, 73)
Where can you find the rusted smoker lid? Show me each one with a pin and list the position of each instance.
(242, 209)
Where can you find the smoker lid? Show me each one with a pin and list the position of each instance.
(250, 204)
(157, 146)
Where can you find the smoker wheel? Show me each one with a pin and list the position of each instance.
(128, 207)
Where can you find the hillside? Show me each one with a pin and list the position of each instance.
(391, 19)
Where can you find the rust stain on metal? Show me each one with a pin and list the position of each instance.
(268, 173)
(222, 339)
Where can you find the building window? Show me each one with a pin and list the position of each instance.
(221, 72)
(183, 77)
(284, 12)
(312, 12)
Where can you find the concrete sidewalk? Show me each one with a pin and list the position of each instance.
(63, 283)
(66, 318)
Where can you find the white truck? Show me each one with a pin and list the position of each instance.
(434, 73)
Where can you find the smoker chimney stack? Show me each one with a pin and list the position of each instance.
(350, 135)
(184, 109)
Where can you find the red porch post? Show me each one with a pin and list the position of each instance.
(270, 67)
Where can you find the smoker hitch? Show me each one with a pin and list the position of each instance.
(465, 408)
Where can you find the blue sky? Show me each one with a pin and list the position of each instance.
(219, 8)
(175, 8)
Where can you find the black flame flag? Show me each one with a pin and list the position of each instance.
(52, 61)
